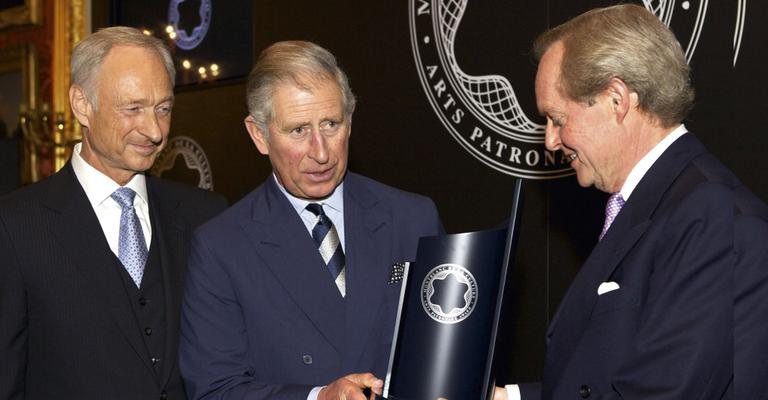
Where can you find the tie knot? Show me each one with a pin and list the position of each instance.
(316, 208)
(124, 196)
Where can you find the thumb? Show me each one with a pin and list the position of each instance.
(367, 380)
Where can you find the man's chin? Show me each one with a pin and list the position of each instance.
(319, 192)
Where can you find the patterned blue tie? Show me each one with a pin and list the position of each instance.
(132, 248)
(612, 208)
(327, 240)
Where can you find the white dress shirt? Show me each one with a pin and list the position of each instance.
(633, 179)
(99, 187)
(333, 206)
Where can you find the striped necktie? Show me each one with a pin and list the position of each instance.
(327, 240)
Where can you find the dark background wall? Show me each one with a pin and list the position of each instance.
(399, 139)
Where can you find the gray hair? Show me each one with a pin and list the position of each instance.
(90, 53)
(298, 62)
(626, 42)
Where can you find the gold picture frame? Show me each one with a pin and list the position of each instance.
(19, 64)
(27, 13)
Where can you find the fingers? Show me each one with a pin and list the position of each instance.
(500, 393)
(351, 387)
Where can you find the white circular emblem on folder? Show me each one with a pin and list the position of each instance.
(449, 293)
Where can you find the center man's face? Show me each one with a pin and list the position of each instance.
(308, 138)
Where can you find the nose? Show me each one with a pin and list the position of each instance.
(153, 128)
(318, 147)
(552, 136)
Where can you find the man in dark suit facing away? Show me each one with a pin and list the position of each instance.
(93, 258)
(289, 293)
(672, 302)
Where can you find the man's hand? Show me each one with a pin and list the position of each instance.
(351, 387)
(500, 393)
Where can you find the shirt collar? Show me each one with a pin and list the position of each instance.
(99, 187)
(334, 201)
(645, 163)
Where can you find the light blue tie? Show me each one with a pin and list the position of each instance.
(132, 248)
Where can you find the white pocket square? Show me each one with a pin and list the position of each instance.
(606, 287)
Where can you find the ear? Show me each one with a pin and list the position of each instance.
(257, 136)
(621, 98)
(81, 107)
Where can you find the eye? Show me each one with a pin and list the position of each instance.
(330, 126)
(556, 121)
(299, 132)
(164, 110)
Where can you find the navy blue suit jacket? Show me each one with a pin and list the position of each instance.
(262, 317)
(690, 319)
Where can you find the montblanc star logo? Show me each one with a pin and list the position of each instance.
(449, 293)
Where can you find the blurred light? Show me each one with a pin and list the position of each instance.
(172, 35)
(147, 32)
(186, 64)
(201, 70)
(215, 69)
(169, 28)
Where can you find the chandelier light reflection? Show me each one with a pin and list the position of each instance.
(45, 150)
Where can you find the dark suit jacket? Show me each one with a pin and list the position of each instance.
(262, 317)
(690, 320)
(67, 330)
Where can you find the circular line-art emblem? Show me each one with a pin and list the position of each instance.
(183, 40)
(194, 159)
(483, 113)
(459, 295)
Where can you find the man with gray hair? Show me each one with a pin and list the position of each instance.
(93, 257)
(672, 302)
(291, 292)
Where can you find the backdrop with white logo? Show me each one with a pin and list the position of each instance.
(446, 108)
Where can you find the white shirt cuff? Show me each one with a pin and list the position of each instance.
(513, 392)
(315, 392)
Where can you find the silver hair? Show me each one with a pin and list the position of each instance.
(90, 53)
(298, 62)
(626, 42)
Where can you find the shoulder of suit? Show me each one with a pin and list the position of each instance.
(181, 190)
(353, 181)
(29, 195)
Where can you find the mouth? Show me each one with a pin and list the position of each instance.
(322, 175)
(144, 149)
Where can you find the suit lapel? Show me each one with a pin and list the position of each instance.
(171, 240)
(630, 225)
(368, 250)
(282, 241)
(78, 231)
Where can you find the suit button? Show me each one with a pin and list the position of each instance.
(306, 359)
(163, 395)
(148, 331)
(142, 301)
(584, 391)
